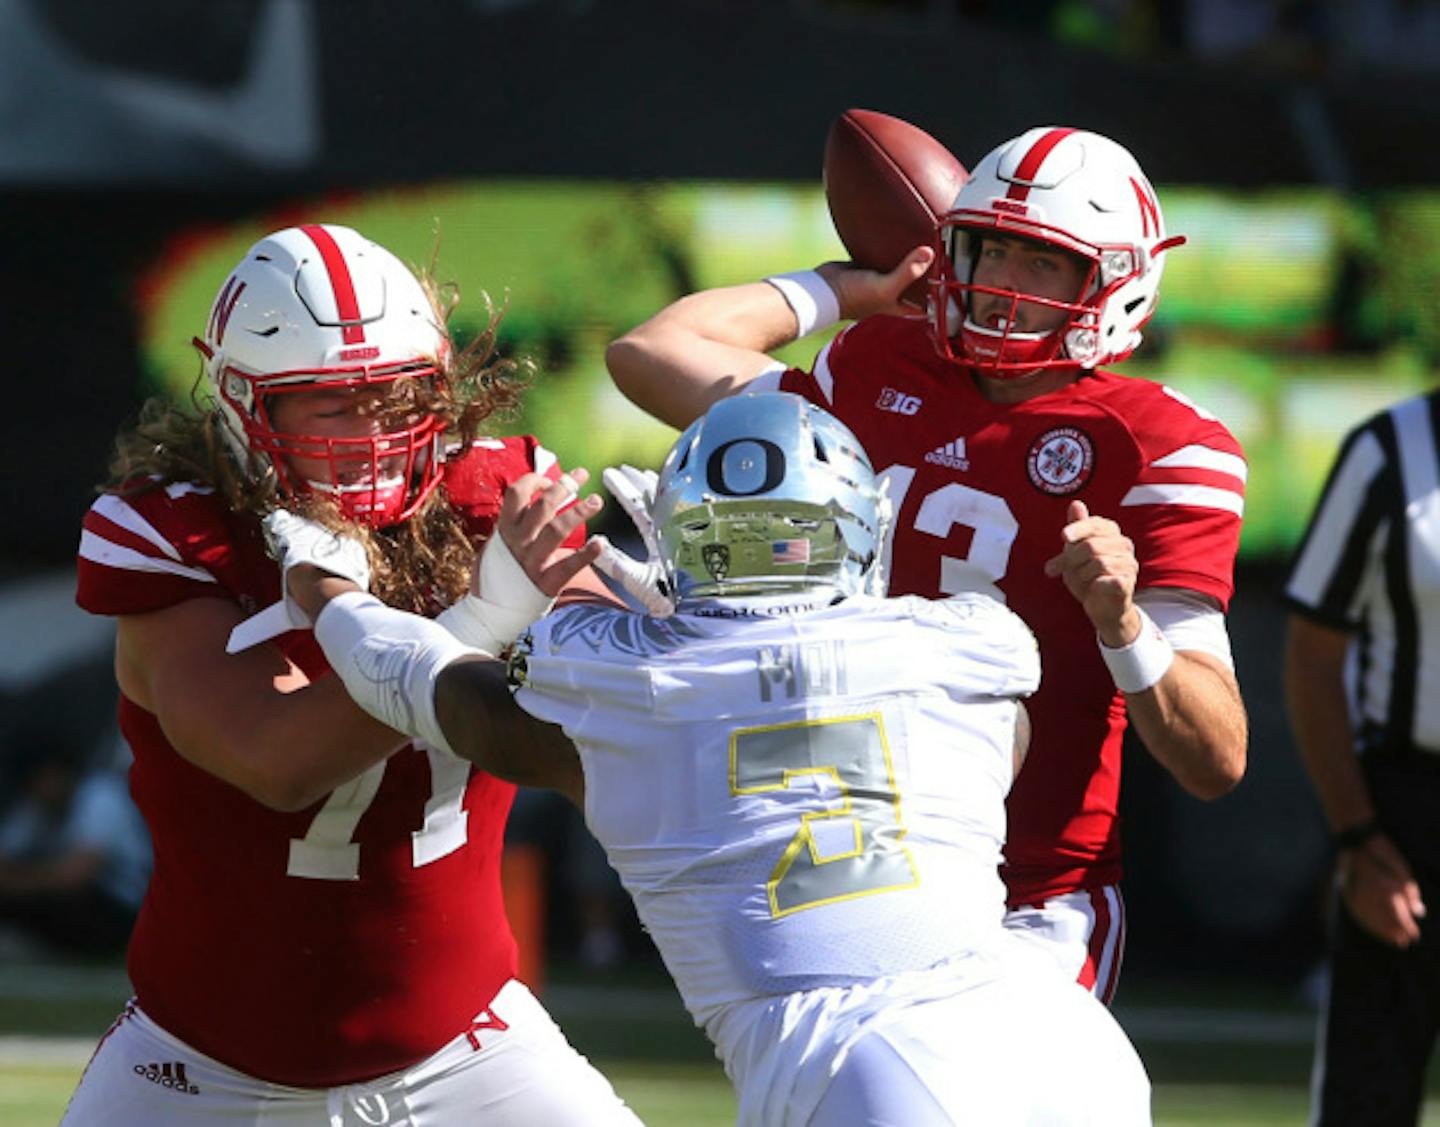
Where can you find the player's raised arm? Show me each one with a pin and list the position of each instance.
(711, 344)
(886, 182)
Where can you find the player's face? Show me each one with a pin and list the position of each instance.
(327, 413)
(1020, 266)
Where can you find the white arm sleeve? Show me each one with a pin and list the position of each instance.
(389, 661)
(1189, 620)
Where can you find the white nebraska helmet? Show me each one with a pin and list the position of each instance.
(322, 307)
(1072, 191)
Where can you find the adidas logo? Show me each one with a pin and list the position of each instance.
(169, 1075)
(952, 455)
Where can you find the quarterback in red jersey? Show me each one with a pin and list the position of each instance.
(1105, 510)
(324, 934)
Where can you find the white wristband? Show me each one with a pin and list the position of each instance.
(1144, 661)
(810, 296)
(389, 661)
(508, 602)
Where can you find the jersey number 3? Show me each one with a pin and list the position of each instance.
(994, 525)
(850, 846)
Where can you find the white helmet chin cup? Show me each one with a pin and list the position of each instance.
(767, 493)
(1073, 191)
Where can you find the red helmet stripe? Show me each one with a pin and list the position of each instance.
(346, 303)
(1030, 164)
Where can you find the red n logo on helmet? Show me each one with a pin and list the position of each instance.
(224, 306)
(1149, 209)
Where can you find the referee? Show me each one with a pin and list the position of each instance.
(1362, 682)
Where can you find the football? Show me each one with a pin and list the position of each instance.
(886, 182)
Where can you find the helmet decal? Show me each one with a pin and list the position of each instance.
(768, 493)
(224, 306)
(1149, 208)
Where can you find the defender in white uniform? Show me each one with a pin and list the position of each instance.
(801, 784)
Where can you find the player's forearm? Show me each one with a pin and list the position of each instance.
(1320, 720)
(394, 665)
(480, 718)
(700, 349)
(1193, 721)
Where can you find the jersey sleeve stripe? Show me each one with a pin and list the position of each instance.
(1190, 475)
(1331, 538)
(107, 530)
(544, 459)
(824, 377)
(122, 515)
(107, 553)
(1194, 496)
(1205, 458)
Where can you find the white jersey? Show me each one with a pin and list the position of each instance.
(795, 798)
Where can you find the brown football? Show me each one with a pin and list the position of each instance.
(886, 182)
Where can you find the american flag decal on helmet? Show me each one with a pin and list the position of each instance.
(790, 551)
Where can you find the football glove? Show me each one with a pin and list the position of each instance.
(644, 580)
(291, 540)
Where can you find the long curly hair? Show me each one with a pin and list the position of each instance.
(422, 564)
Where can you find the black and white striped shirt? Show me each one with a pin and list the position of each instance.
(1370, 563)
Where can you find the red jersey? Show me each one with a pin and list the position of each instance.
(337, 943)
(980, 493)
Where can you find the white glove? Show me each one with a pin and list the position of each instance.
(291, 540)
(507, 603)
(635, 490)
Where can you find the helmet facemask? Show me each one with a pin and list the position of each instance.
(379, 478)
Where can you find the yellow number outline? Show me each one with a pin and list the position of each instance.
(886, 857)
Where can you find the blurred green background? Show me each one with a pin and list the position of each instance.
(1290, 314)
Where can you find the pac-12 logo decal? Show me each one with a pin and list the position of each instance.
(717, 560)
(1060, 460)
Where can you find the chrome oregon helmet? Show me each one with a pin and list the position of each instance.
(766, 494)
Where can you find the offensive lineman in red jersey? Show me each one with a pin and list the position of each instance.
(1100, 508)
(324, 939)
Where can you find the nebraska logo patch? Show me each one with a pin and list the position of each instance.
(1060, 460)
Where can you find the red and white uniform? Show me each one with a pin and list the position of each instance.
(337, 943)
(980, 493)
